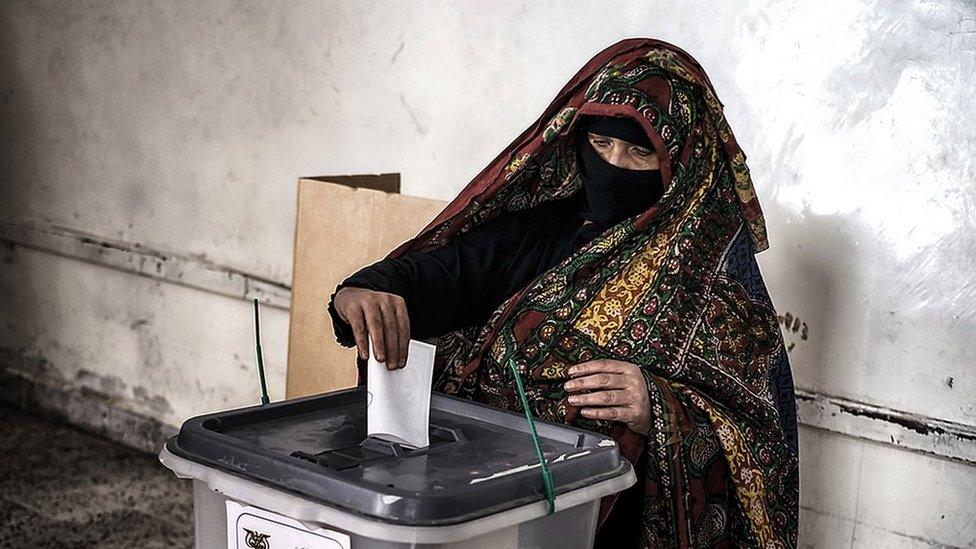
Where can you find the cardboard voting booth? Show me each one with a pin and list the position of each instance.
(343, 223)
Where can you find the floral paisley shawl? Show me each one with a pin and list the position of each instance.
(675, 290)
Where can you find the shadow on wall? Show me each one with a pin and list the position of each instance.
(880, 328)
(18, 153)
(18, 162)
(34, 317)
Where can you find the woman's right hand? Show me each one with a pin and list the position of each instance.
(383, 316)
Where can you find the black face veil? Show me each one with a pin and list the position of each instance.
(614, 193)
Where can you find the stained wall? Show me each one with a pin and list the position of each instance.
(148, 146)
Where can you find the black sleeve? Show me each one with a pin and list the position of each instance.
(456, 285)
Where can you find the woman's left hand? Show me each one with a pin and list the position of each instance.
(620, 392)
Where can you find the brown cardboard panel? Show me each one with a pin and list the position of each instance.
(341, 226)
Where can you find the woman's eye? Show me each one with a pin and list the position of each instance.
(642, 152)
(601, 143)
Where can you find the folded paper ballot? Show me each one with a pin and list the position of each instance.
(398, 401)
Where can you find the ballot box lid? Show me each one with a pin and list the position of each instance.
(481, 460)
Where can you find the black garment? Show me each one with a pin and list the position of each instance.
(462, 282)
(624, 526)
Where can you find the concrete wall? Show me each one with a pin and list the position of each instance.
(149, 153)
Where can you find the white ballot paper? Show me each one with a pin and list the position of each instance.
(398, 401)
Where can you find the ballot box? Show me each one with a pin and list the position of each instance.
(302, 473)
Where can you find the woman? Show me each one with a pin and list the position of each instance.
(651, 323)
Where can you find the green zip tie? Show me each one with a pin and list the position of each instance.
(260, 355)
(546, 474)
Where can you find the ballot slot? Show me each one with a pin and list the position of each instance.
(374, 449)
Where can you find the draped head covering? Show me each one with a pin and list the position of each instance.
(674, 289)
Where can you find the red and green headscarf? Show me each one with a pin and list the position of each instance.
(674, 290)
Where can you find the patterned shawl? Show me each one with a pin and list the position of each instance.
(675, 290)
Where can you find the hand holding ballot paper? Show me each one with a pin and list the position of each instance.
(398, 401)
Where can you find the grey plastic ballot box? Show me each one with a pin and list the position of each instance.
(304, 470)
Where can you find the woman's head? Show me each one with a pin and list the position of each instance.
(618, 168)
